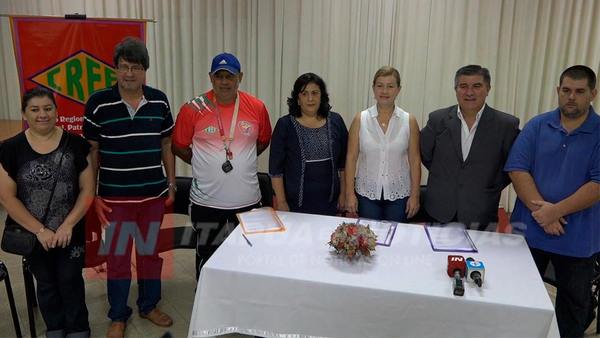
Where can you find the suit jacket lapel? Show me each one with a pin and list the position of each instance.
(485, 126)
(454, 129)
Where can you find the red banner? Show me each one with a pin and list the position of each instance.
(73, 58)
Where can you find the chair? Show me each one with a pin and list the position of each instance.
(30, 297)
(182, 196)
(11, 299)
(422, 216)
(181, 236)
(596, 293)
(266, 189)
(93, 240)
(550, 278)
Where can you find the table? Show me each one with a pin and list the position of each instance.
(290, 283)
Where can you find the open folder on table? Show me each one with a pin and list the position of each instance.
(450, 238)
(260, 221)
(384, 230)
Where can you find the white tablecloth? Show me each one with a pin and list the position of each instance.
(290, 284)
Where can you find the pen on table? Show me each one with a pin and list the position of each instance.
(247, 240)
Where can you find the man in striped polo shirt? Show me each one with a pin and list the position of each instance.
(129, 127)
(221, 133)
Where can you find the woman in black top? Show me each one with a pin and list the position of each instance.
(308, 150)
(31, 162)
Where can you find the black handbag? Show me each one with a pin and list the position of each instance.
(20, 241)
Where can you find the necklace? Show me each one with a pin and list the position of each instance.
(382, 123)
(387, 111)
(42, 138)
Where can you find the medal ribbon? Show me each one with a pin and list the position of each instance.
(227, 141)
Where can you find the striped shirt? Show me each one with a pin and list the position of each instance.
(130, 152)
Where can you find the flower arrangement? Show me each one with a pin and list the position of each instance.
(351, 239)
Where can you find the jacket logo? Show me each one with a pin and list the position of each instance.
(245, 127)
(210, 130)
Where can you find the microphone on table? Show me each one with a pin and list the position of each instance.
(456, 270)
(475, 271)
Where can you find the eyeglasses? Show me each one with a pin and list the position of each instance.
(134, 69)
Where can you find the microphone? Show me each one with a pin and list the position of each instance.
(475, 271)
(456, 270)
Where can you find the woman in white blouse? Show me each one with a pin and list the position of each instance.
(383, 164)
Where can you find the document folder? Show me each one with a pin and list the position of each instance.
(261, 220)
(384, 230)
(450, 238)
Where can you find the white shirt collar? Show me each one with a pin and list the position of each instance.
(468, 135)
(132, 110)
(477, 117)
(374, 113)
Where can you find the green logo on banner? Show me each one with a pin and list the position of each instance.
(77, 77)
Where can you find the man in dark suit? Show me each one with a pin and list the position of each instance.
(464, 147)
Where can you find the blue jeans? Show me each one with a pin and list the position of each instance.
(142, 222)
(382, 209)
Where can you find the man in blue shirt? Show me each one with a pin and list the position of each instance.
(555, 168)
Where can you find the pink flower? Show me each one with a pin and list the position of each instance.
(350, 240)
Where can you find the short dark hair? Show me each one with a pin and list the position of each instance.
(579, 72)
(131, 49)
(36, 92)
(473, 70)
(301, 82)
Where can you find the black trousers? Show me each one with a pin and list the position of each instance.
(573, 290)
(60, 286)
(212, 226)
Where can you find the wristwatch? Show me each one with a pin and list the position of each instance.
(173, 186)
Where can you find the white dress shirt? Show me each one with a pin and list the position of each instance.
(466, 135)
(383, 158)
